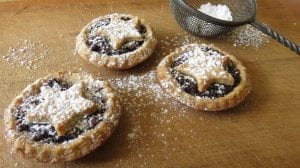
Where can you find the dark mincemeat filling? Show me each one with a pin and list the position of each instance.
(46, 133)
(214, 90)
(102, 44)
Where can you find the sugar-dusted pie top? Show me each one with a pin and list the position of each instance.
(223, 80)
(206, 67)
(57, 110)
(61, 108)
(116, 34)
(118, 30)
(85, 107)
(203, 76)
(116, 41)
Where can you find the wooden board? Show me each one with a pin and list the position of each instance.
(264, 131)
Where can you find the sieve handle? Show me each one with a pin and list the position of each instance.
(275, 35)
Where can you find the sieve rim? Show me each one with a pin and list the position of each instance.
(210, 19)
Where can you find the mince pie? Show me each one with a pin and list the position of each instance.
(61, 117)
(116, 41)
(204, 77)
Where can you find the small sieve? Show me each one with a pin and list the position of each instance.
(243, 12)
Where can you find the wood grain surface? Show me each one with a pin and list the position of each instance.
(264, 131)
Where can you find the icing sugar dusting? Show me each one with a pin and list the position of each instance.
(138, 92)
(135, 91)
(247, 35)
(27, 53)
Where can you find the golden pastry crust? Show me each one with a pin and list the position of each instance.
(236, 96)
(117, 62)
(68, 150)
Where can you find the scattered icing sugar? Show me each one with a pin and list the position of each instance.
(168, 43)
(218, 11)
(27, 53)
(247, 35)
(145, 88)
(138, 92)
(140, 85)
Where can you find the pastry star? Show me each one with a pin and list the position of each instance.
(205, 68)
(61, 108)
(118, 30)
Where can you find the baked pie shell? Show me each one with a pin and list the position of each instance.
(69, 150)
(169, 83)
(116, 62)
